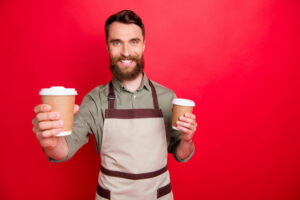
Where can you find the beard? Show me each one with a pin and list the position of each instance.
(122, 75)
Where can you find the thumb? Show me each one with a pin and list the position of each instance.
(76, 108)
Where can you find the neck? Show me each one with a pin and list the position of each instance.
(134, 84)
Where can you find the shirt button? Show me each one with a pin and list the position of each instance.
(134, 96)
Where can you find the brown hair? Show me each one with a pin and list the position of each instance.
(126, 17)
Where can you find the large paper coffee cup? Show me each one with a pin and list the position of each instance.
(180, 107)
(62, 100)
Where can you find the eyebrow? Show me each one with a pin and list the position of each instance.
(137, 39)
(114, 40)
(118, 40)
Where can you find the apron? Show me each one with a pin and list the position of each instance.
(134, 154)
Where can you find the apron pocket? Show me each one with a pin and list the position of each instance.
(164, 190)
(102, 192)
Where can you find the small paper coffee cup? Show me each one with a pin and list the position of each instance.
(180, 107)
(62, 100)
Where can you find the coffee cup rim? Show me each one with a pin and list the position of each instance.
(57, 91)
(183, 102)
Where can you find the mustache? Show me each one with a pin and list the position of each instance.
(127, 58)
(116, 59)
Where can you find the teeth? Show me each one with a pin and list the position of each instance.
(126, 61)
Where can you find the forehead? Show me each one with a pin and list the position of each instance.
(118, 30)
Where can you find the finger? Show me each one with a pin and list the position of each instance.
(42, 108)
(195, 126)
(185, 124)
(185, 131)
(44, 125)
(46, 116)
(51, 133)
(34, 121)
(34, 129)
(188, 120)
(76, 108)
(190, 115)
(37, 132)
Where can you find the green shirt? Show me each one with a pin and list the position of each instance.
(91, 115)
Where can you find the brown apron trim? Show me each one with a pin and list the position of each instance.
(133, 176)
(164, 190)
(111, 96)
(154, 95)
(103, 192)
(133, 113)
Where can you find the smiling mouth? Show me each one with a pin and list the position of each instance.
(126, 62)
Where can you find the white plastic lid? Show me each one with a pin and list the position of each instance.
(183, 102)
(58, 91)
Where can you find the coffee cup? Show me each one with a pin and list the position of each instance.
(62, 100)
(180, 107)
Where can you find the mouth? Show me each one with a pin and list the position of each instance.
(126, 62)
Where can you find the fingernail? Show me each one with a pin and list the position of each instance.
(55, 115)
(60, 123)
(46, 108)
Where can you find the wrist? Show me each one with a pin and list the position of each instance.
(187, 141)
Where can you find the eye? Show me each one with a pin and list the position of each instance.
(116, 43)
(133, 42)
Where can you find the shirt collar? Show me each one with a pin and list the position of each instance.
(120, 87)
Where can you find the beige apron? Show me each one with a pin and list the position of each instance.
(134, 154)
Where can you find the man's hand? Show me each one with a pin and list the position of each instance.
(187, 125)
(47, 124)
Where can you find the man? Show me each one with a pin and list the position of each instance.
(130, 118)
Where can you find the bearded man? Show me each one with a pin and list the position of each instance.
(130, 118)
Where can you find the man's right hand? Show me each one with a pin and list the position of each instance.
(46, 125)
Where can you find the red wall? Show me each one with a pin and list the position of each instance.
(239, 60)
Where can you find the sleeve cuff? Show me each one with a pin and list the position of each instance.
(183, 160)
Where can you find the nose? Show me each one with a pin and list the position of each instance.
(125, 50)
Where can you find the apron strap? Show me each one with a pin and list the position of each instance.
(112, 96)
(154, 95)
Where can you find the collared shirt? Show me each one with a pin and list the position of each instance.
(91, 115)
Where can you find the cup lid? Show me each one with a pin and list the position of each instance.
(183, 102)
(58, 91)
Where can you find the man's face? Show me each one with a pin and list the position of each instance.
(125, 45)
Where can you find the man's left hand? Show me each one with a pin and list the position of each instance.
(187, 125)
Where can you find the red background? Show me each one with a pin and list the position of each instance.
(239, 60)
